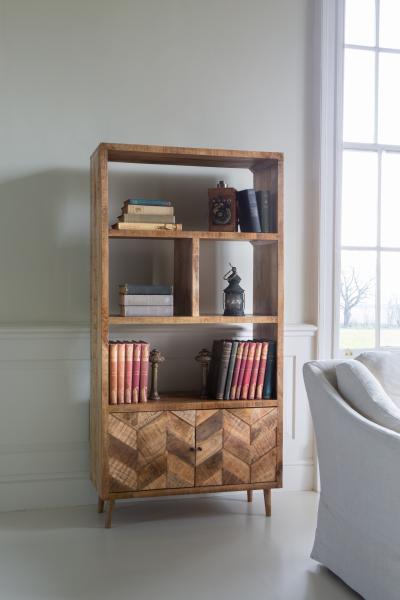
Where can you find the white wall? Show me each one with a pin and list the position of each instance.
(216, 73)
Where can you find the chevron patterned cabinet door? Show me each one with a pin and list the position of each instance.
(181, 448)
(209, 436)
(249, 445)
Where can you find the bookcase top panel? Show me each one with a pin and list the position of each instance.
(200, 157)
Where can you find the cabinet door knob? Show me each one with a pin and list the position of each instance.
(192, 449)
(199, 448)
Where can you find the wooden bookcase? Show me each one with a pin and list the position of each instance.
(181, 444)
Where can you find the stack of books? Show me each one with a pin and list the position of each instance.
(241, 370)
(146, 300)
(139, 214)
(129, 372)
(257, 211)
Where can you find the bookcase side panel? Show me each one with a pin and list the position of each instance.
(99, 320)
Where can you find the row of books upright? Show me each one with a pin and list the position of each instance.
(257, 211)
(129, 372)
(143, 213)
(242, 370)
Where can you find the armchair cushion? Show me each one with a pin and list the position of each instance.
(365, 394)
(385, 365)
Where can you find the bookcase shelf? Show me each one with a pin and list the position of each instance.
(236, 236)
(189, 401)
(190, 320)
(218, 445)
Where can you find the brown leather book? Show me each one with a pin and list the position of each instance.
(261, 370)
(254, 371)
(128, 372)
(247, 370)
(137, 350)
(144, 372)
(121, 373)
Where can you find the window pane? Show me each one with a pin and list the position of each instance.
(389, 24)
(357, 299)
(390, 200)
(359, 198)
(390, 295)
(389, 98)
(360, 22)
(359, 96)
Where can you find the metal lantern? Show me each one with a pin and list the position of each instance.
(233, 294)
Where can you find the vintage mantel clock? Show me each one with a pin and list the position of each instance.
(233, 294)
(222, 208)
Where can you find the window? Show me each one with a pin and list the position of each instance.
(368, 241)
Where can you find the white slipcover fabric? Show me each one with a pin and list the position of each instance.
(365, 394)
(358, 529)
(385, 365)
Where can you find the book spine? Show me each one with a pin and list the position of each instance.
(238, 361)
(248, 211)
(254, 371)
(241, 372)
(247, 371)
(136, 371)
(223, 369)
(146, 300)
(132, 288)
(149, 210)
(113, 360)
(128, 372)
(270, 373)
(145, 202)
(264, 210)
(144, 371)
(261, 370)
(121, 373)
(229, 376)
(135, 218)
(146, 311)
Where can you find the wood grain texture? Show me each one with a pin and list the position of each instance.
(146, 451)
(237, 236)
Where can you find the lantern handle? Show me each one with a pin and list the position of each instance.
(232, 271)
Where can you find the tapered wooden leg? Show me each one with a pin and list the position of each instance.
(109, 514)
(267, 502)
(249, 495)
(100, 505)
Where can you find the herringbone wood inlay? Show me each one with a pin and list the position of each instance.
(182, 449)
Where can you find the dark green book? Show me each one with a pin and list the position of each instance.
(223, 364)
(231, 367)
(269, 390)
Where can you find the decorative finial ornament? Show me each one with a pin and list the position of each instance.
(204, 358)
(155, 359)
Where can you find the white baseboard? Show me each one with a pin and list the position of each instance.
(44, 449)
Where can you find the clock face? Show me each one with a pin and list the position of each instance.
(221, 210)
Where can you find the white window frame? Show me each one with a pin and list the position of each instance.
(331, 148)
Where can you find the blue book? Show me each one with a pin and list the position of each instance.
(133, 288)
(248, 211)
(269, 390)
(145, 202)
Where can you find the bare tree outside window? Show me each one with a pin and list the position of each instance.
(353, 291)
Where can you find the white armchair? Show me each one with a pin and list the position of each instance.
(358, 529)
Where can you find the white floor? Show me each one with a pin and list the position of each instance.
(189, 548)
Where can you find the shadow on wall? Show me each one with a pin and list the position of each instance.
(45, 240)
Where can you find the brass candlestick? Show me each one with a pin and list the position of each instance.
(155, 359)
(204, 358)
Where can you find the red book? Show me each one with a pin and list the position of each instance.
(236, 369)
(241, 370)
(144, 372)
(254, 372)
(121, 373)
(137, 348)
(247, 371)
(113, 356)
(128, 372)
(261, 370)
